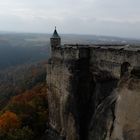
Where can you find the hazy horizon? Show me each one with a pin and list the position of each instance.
(87, 17)
(67, 34)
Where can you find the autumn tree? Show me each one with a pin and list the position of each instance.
(9, 121)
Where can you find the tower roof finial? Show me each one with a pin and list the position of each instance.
(55, 34)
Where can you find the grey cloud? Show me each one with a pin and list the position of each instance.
(105, 17)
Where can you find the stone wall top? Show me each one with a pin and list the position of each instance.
(105, 57)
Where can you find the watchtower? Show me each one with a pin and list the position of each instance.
(55, 40)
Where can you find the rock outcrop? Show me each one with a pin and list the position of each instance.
(87, 102)
(127, 110)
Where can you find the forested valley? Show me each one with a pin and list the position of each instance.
(23, 102)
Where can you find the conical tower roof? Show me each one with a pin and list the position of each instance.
(55, 34)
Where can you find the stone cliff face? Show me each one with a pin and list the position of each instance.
(62, 104)
(127, 110)
(117, 117)
(88, 103)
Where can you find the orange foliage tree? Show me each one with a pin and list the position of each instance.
(9, 121)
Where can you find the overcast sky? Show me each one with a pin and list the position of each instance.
(99, 17)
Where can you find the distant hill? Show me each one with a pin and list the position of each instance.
(93, 39)
(26, 48)
(17, 49)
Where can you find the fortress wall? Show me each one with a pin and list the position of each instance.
(65, 53)
(112, 59)
(104, 58)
